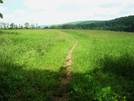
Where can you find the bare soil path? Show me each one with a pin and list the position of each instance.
(61, 92)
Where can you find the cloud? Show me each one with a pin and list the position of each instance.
(46, 17)
(46, 12)
(10, 0)
(55, 4)
(2, 9)
(20, 12)
(8, 18)
(41, 4)
(106, 11)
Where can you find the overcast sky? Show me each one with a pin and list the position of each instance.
(46, 12)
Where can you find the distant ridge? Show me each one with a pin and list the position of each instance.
(84, 22)
(118, 24)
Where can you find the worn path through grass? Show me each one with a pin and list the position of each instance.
(65, 77)
(103, 66)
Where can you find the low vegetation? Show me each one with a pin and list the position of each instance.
(31, 62)
(103, 66)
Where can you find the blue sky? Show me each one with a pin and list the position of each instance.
(46, 12)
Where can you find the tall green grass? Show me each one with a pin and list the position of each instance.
(103, 66)
(30, 62)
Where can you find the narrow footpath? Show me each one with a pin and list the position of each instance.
(61, 92)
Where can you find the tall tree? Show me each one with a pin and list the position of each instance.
(0, 25)
(4, 24)
(32, 26)
(16, 26)
(1, 16)
(36, 25)
(27, 25)
(21, 26)
(7, 25)
(12, 25)
(1, 1)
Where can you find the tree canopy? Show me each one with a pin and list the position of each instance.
(1, 1)
(1, 16)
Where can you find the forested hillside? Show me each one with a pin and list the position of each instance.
(118, 24)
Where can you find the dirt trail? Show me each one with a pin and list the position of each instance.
(61, 92)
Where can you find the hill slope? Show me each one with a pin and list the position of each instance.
(118, 24)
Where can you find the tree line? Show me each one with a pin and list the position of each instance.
(15, 26)
(118, 24)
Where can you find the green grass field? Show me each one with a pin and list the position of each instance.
(31, 62)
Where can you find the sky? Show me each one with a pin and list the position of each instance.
(48, 12)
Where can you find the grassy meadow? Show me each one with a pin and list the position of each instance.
(31, 62)
(103, 66)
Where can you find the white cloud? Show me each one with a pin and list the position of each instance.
(2, 9)
(55, 4)
(8, 18)
(10, 0)
(61, 11)
(20, 12)
(41, 4)
(106, 11)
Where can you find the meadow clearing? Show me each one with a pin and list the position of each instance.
(31, 63)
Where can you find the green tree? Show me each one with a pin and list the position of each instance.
(27, 25)
(12, 25)
(21, 26)
(1, 16)
(16, 27)
(53, 27)
(36, 25)
(4, 24)
(46, 27)
(7, 25)
(32, 26)
(0, 25)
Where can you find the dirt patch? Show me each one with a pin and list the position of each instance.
(61, 92)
